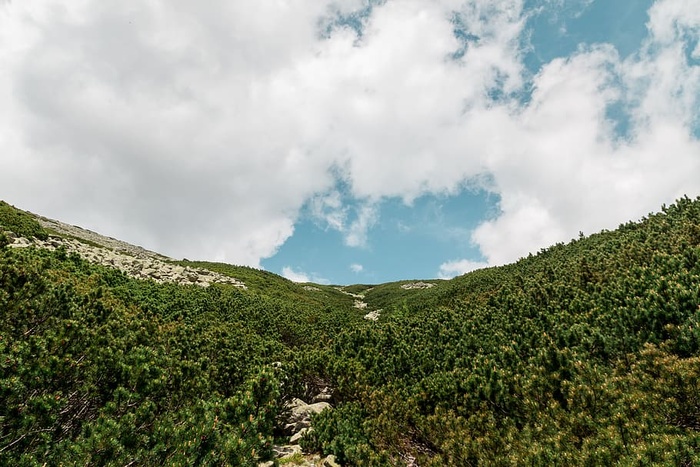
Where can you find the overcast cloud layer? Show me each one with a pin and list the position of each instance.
(200, 129)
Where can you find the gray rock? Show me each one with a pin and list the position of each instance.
(323, 397)
(295, 403)
(300, 434)
(330, 461)
(286, 450)
(372, 315)
(302, 424)
(417, 285)
(306, 411)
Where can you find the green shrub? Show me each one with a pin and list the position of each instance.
(20, 223)
(584, 354)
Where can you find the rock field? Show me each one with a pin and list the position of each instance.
(135, 261)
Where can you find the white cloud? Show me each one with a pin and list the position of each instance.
(564, 170)
(356, 233)
(294, 276)
(669, 20)
(353, 222)
(201, 132)
(330, 209)
(450, 269)
(356, 268)
(300, 276)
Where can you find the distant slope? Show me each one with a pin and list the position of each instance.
(112, 252)
(273, 285)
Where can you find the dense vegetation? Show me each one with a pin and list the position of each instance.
(584, 354)
(20, 223)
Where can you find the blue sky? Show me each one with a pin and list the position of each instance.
(408, 241)
(354, 141)
(412, 241)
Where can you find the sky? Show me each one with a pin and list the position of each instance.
(353, 141)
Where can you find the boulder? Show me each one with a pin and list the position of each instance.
(286, 450)
(330, 461)
(296, 437)
(302, 412)
(323, 396)
(372, 315)
(417, 285)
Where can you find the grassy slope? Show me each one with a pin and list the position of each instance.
(273, 285)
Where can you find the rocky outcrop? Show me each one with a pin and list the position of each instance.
(308, 461)
(301, 413)
(67, 230)
(297, 424)
(417, 285)
(360, 304)
(139, 266)
(133, 260)
(373, 315)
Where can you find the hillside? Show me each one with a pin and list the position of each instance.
(587, 353)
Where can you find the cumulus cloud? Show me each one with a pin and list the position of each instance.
(294, 276)
(202, 131)
(565, 168)
(570, 170)
(356, 233)
(353, 221)
(299, 276)
(450, 269)
(356, 268)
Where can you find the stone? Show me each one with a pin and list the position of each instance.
(323, 396)
(302, 424)
(372, 315)
(286, 450)
(19, 242)
(295, 402)
(417, 285)
(330, 461)
(303, 411)
(296, 437)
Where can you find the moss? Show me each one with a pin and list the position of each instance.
(295, 459)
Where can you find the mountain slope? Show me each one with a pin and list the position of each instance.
(584, 354)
